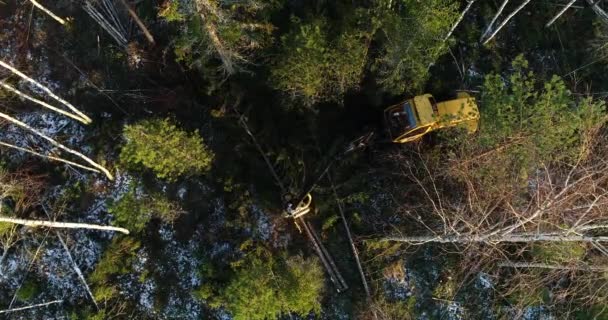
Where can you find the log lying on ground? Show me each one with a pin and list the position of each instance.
(560, 13)
(41, 103)
(57, 144)
(38, 154)
(47, 11)
(63, 225)
(85, 118)
(31, 307)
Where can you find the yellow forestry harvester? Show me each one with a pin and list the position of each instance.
(411, 119)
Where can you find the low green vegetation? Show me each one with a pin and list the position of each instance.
(28, 290)
(315, 64)
(412, 39)
(135, 209)
(159, 145)
(265, 286)
(116, 261)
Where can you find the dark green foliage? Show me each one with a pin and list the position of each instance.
(316, 64)
(220, 35)
(28, 290)
(161, 146)
(411, 37)
(117, 260)
(135, 209)
(265, 286)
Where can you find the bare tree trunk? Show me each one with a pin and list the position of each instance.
(511, 238)
(140, 24)
(40, 102)
(559, 14)
(551, 266)
(31, 307)
(48, 91)
(466, 9)
(507, 19)
(65, 225)
(57, 144)
(8, 145)
(47, 11)
(489, 27)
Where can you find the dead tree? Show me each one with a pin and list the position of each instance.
(464, 12)
(506, 20)
(491, 24)
(562, 206)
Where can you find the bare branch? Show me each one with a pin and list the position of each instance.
(551, 266)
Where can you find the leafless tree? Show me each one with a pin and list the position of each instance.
(561, 209)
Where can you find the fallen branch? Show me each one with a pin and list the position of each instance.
(57, 144)
(48, 91)
(63, 225)
(47, 11)
(42, 103)
(509, 238)
(31, 307)
(8, 145)
(559, 14)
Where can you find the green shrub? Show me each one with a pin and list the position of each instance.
(161, 146)
(411, 41)
(558, 252)
(265, 287)
(170, 11)
(117, 260)
(318, 63)
(133, 210)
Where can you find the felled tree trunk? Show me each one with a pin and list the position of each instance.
(47, 11)
(64, 225)
(57, 144)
